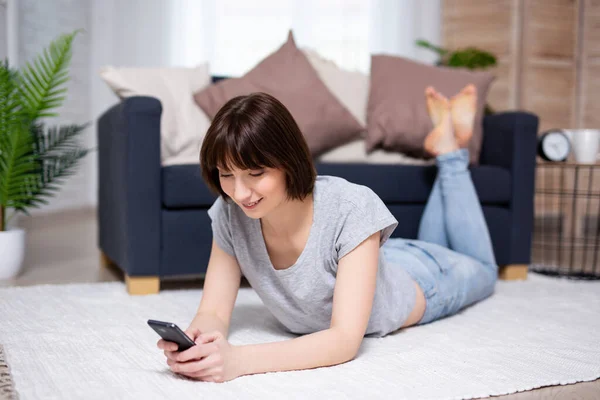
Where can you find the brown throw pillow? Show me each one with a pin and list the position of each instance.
(287, 75)
(397, 118)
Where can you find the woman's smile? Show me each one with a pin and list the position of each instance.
(252, 205)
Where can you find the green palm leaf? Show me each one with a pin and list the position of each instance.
(55, 169)
(56, 139)
(52, 156)
(20, 167)
(470, 57)
(43, 79)
(428, 45)
(35, 160)
(9, 116)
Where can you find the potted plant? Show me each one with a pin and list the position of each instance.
(34, 158)
(469, 57)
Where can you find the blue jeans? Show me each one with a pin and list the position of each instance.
(456, 265)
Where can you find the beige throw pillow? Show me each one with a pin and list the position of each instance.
(397, 118)
(351, 88)
(287, 75)
(183, 125)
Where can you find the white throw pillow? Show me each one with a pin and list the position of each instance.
(183, 124)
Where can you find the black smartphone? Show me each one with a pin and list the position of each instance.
(172, 333)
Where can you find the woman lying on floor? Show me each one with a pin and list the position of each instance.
(317, 249)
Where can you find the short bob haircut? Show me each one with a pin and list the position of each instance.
(253, 132)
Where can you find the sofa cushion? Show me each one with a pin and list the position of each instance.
(187, 237)
(412, 183)
(355, 153)
(183, 186)
(287, 75)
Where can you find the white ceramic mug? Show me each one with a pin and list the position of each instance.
(585, 144)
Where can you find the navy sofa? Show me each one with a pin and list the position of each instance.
(153, 220)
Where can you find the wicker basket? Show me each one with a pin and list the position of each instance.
(566, 237)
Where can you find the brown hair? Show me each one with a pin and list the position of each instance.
(253, 132)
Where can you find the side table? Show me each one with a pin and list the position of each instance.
(566, 237)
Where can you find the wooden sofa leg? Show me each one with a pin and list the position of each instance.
(139, 285)
(110, 265)
(513, 272)
(136, 285)
(106, 262)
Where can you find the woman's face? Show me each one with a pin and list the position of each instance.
(257, 192)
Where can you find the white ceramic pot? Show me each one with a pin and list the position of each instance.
(585, 144)
(12, 252)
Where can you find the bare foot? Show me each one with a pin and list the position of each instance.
(463, 106)
(435, 105)
(441, 139)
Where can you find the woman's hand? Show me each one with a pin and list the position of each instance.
(212, 359)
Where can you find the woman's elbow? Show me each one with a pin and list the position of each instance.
(348, 345)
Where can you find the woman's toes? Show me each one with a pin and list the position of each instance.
(469, 89)
(441, 139)
(435, 105)
(464, 107)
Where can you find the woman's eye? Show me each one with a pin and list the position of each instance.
(225, 175)
(256, 173)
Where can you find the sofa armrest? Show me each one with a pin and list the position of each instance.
(129, 187)
(510, 141)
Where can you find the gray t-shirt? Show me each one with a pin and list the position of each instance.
(301, 296)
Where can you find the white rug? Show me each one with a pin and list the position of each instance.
(92, 342)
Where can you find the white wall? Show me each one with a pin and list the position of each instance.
(134, 33)
(397, 24)
(38, 23)
(3, 31)
(120, 33)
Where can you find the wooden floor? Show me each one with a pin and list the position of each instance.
(62, 248)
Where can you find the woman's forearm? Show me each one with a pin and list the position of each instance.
(208, 323)
(318, 349)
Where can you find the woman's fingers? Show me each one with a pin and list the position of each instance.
(193, 353)
(207, 373)
(210, 336)
(197, 352)
(192, 367)
(164, 345)
(193, 333)
(171, 355)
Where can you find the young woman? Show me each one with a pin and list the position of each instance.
(317, 249)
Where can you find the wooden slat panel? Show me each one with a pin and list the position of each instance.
(590, 87)
(591, 97)
(488, 25)
(549, 92)
(483, 23)
(548, 63)
(592, 31)
(549, 29)
(502, 89)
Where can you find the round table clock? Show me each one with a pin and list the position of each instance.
(554, 145)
